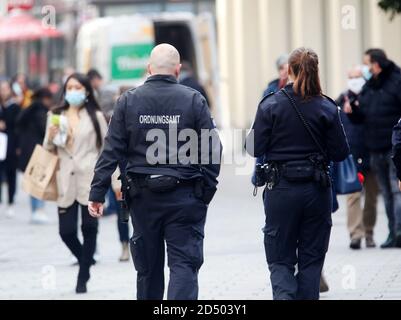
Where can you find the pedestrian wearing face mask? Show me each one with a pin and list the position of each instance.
(361, 220)
(21, 90)
(85, 126)
(380, 110)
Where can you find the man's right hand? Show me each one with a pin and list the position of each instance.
(95, 209)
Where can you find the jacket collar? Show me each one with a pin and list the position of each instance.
(162, 77)
(379, 81)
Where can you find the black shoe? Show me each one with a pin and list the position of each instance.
(390, 243)
(355, 244)
(324, 287)
(398, 239)
(81, 287)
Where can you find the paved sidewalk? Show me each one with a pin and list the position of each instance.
(34, 263)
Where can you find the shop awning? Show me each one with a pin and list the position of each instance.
(24, 27)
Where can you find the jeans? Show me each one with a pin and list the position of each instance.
(36, 204)
(114, 207)
(386, 174)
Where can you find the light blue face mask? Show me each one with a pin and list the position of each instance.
(17, 89)
(75, 98)
(366, 73)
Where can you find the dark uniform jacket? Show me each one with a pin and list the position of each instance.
(272, 87)
(380, 108)
(279, 134)
(159, 104)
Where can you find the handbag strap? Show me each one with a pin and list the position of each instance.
(305, 123)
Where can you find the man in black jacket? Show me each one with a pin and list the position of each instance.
(380, 110)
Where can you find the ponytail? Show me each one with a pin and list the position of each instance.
(304, 67)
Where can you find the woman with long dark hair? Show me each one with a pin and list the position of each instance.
(299, 132)
(76, 130)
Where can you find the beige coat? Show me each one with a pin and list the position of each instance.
(76, 167)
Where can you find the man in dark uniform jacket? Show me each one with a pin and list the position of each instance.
(172, 179)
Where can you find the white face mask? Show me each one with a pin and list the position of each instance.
(355, 85)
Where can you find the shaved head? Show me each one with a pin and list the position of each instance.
(165, 60)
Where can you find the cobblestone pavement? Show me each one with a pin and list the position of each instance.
(34, 263)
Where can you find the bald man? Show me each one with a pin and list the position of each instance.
(165, 132)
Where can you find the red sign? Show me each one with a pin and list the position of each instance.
(20, 4)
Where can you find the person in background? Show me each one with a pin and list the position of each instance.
(21, 90)
(9, 110)
(104, 96)
(379, 110)
(31, 126)
(78, 153)
(361, 221)
(188, 78)
(96, 80)
(67, 72)
(114, 196)
(281, 82)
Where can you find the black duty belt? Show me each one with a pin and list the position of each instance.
(298, 171)
(156, 184)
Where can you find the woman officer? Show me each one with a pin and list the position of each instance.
(299, 132)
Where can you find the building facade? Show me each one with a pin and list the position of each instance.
(253, 33)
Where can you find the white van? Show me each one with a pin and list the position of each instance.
(119, 47)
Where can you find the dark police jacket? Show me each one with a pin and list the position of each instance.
(160, 104)
(280, 135)
(380, 108)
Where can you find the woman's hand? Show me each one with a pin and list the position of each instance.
(53, 131)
